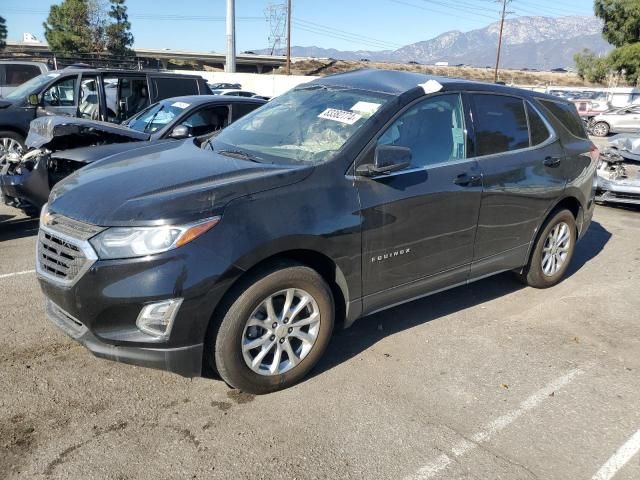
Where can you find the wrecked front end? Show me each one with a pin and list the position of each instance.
(618, 173)
(25, 182)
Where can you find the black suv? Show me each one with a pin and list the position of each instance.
(343, 197)
(95, 94)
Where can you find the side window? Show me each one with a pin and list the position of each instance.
(433, 130)
(175, 87)
(125, 96)
(539, 131)
(18, 74)
(61, 94)
(500, 124)
(566, 114)
(241, 109)
(207, 120)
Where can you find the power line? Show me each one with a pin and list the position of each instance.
(356, 36)
(146, 16)
(401, 2)
(325, 33)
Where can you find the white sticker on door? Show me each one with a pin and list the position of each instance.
(341, 116)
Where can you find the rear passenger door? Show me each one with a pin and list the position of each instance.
(520, 157)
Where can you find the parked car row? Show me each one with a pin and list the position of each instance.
(237, 253)
(61, 145)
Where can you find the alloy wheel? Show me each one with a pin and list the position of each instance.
(556, 249)
(280, 332)
(9, 146)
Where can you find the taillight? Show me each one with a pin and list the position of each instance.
(594, 153)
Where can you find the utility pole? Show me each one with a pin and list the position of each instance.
(289, 37)
(504, 12)
(230, 62)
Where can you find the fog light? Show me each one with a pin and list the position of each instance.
(156, 319)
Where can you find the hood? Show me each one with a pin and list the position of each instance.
(164, 183)
(59, 132)
(86, 155)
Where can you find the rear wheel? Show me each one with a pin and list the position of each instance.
(552, 251)
(10, 143)
(600, 129)
(275, 331)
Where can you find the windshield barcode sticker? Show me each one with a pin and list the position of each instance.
(181, 105)
(341, 116)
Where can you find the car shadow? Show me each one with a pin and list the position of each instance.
(368, 331)
(12, 228)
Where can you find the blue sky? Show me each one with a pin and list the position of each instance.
(342, 24)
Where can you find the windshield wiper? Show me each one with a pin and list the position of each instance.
(240, 154)
(153, 117)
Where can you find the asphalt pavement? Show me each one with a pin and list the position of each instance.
(487, 381)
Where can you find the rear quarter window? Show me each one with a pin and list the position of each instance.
(175, 87)
(566, 114)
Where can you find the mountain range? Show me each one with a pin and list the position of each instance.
(531, 42)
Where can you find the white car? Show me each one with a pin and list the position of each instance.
(233, 92)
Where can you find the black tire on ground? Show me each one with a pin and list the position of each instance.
(533, 274)
(600, 129)
(223, 345)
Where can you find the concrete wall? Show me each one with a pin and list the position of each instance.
(262, 84)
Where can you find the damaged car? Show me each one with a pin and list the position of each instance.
(61, 145)
(619, 171)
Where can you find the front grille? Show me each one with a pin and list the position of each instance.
(58, 257)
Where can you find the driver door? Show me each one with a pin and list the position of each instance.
(61, 98)
(419, 224)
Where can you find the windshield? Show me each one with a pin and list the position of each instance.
(27, 88)
(156, 116)
(305, 125)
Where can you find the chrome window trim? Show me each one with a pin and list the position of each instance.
(84, 246)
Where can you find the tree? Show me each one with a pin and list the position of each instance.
(621, 20)
(3, 33)
(591, 67)
(626, 60)
(67, 28)
(118, 32)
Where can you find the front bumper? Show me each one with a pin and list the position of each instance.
(623, 192)
(99, 308)
(28, 191)
(185, 361)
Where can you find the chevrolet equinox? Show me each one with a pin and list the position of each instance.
(343, 197)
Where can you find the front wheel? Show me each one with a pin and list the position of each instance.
(552, 251)
(10, 144)
(275, 331)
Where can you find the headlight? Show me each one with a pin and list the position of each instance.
(129, 242)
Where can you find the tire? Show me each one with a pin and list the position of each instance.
(234, 335)
(600, 129)
(11, 140)
(534, 273)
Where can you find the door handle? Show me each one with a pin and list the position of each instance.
(552, 161)
(465, 180)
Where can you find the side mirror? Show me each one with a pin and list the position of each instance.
(386, 159)
(33, 100)
(180, 131)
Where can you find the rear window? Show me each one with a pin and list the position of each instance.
(18, 74)
(539, 131)
(566, 114)
(500, 124)
(175, 87)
